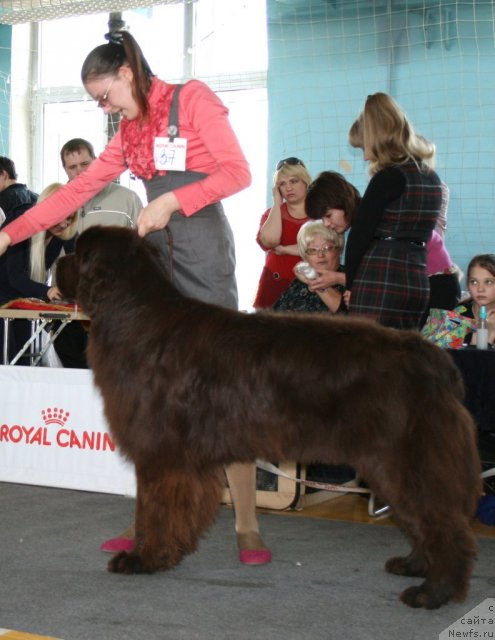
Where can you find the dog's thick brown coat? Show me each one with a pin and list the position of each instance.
(189, 387)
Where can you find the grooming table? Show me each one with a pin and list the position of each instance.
(40, 315)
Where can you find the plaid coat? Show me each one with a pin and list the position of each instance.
(389, 282)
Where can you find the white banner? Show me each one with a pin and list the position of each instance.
(53, 432)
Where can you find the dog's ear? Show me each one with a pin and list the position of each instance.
(66, 276)
(105, 263)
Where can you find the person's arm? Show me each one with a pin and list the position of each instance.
(270, 232)
(331, 297)
(386, 186)
(271, 220)
(212, 148)
(68, 198)
(16, 267)
(258, 235)
(286, 250)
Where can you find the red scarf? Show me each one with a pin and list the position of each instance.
(138, 135)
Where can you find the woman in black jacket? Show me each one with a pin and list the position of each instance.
(25, 267)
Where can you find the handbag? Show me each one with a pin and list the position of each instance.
(447, 328)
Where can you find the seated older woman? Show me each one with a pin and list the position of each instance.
(320, 247)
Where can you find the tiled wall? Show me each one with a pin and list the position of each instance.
(437, 59)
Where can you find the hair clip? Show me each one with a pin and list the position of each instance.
(115, 37)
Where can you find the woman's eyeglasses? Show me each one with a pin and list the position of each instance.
(313, 251)
(102, 102)
(291, 161)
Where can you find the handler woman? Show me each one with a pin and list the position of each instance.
(178, 141)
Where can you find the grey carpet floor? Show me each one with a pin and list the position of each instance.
(326, 580)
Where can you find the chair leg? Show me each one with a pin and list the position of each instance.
(373, 511)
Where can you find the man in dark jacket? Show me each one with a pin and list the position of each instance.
(12, 193)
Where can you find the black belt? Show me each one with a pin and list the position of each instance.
(416, 243)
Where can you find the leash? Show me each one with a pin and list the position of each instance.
(170, 239)
(172, 130)
(325, 486)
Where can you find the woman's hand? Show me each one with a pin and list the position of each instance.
(5, 242)
(327, 279)
(53, 294)
(347, 298)
(286, 250)
(277, 196)
(156, 215)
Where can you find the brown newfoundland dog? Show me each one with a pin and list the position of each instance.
(189, 387)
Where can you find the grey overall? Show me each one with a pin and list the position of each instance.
(202, 252)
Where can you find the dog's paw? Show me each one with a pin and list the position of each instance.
(404, 567)
(128, 563)
(426, 598)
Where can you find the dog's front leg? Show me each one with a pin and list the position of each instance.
(174, 507)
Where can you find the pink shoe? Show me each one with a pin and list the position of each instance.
(252, 549)
(114, 545)
(255, 556)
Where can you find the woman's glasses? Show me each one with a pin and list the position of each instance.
(291, 161)
(102, 102)
(313, 251)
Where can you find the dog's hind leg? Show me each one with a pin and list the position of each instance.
(435, 515)
(449, 548)
(443, 551)
(414, 565)
(174, 508)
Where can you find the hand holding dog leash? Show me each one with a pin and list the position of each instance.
(156, 215)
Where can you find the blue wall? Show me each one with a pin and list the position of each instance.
(5, 63)
(438, 63)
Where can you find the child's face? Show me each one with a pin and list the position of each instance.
(481, 286)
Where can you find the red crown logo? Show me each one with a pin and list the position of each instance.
(54, 416)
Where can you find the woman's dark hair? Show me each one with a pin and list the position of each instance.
(330, 190)
(106, 60)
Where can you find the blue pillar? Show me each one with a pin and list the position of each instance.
(5, 70)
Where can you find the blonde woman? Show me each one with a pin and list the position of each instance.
(25, 267)
(46, 246)
(386, 249)
(277, 235)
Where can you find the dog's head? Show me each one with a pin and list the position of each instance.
(109, 262)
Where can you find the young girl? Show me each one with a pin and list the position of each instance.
(481, 284)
